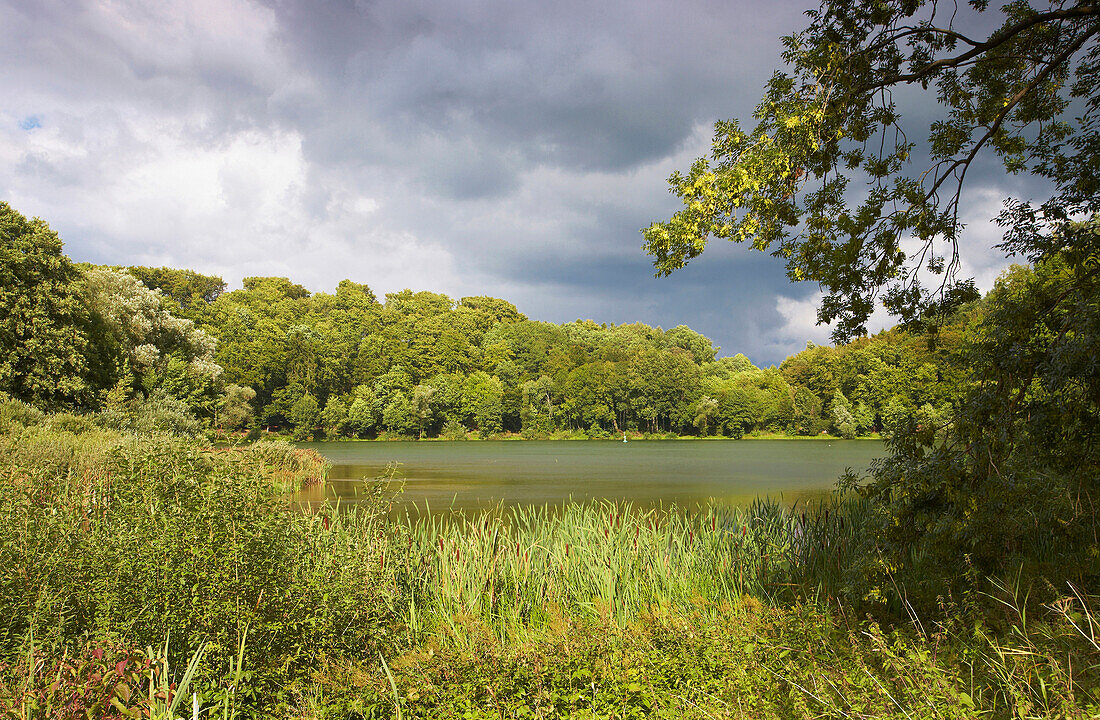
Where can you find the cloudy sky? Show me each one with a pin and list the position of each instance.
(511, 148)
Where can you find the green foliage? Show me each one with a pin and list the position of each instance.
(43, 319)
(421, 362)
(422, 396)
(1008, 477)
(481, 399)
(136, 336)
(830, 120)
(15, 413)
(305, 413)
(187, 288)
(361, 414)
(335, 416)
(685, 338)
(106, 682)
(236, 410)
(453, 430)
(116, 536)
(398, 416)
(715, 661)
(116, 542)
(161, 412)
(844, 423)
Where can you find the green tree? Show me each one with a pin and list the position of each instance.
(186, 288)
(700, 347)
(664, 384)
(538, 409)
(706, 410)
(844, 424)
(306, 416)
(398, 415)
(592, 396)
(1012, 475)
(335, 416)
(830, 120)
(806, 416)
(482, 400)
(236, 407)
(43, 318)
(135, 332)
(493, 310)
(362, 417)
(422, 406)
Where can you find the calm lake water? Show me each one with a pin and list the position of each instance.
(469, 476)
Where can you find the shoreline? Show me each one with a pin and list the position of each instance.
(639, 438)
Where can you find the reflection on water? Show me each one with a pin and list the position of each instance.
(470, 476)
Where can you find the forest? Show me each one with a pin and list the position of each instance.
(273, 355)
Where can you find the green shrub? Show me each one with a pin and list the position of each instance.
(18, 413)
(161, 537)
(68, 422)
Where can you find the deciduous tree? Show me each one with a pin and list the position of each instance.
(834, 181)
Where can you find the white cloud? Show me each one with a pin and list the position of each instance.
(508, 148)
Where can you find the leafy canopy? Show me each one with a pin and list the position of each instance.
(43, 321)
(829, 181)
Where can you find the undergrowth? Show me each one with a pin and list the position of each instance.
(168, 555)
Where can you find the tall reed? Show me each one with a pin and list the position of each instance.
(514, 568)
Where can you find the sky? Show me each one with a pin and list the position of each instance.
(510, 148)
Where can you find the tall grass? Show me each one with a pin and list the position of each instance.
(118, 540)
(603, 559)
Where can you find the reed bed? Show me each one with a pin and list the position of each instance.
(289, 468)
(517, 569)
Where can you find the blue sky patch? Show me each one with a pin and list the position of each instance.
(30, 122)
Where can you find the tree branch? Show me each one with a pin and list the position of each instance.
(995, 40)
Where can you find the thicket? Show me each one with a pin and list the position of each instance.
(130, 560)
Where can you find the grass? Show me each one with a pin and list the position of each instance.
(289, 468)
(114, 542)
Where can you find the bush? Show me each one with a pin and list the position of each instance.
(453, 430)
(68, 422)
(16, 412)
(150, 537)
(159, 413)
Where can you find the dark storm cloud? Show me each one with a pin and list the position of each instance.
(504, 147)
(588, 86)
(731, 299)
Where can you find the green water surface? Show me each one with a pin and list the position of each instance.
(469, 476)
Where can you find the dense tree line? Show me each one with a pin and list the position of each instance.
(421, 364)
(92, 338)
(417, 364)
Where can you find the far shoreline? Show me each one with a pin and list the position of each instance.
(515, 437)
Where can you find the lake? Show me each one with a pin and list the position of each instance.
(470, 476)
